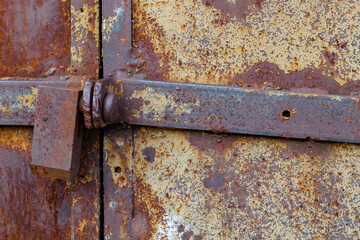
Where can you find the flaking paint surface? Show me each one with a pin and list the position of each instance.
(34, 38)
(16, 138)
(207, 186)
(82, 27)
(205, 42)
(28, 100)
(155, 103)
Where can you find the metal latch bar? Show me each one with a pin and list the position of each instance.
(220, 109)
(226, 109)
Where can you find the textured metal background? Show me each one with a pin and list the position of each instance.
(33, 207)
(34, 38)
(195, 185)
(277, 44)
(44, 39)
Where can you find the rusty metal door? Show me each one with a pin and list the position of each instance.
(261, 157)
(181, 184)
(45, 42)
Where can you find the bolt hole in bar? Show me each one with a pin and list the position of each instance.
(231, 110)
(118, 169)
(286, 114)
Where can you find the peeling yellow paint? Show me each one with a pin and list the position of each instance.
(82, 225)
(18, 138)
(75, 200)
(28, 100)
(294, 35)
(157, 103)
(118, 90)
(4, 109)
(113, 151)
(82, 27)
(337, 98)
(278, 184)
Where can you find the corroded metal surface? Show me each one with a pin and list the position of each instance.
(21, 216)
(41, 39)
(226, 109)
(85, 52)
(34, 38)
(33, 207)
(86, 103)
(57, 134)
(18, 98)
(116, 36)
(194, 185)
(118, 183)
(86, 200)
(267, 44)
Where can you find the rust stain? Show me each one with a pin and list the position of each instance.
(215, 42)
(114, 23)
(85, 41)
(21, 32)
(83, 26)
(233, 9)
(28, 100)
(82, 225)
(155, 103)
(118, 183)
(118, 154)
(18, 138)
(203, 184)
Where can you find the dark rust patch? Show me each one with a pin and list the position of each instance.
(266, 75)
(218, 142)
(31, 207)
(181, 228)
(148, 210)
(86, 189)
(34, 38)
(150, 67)
(118, 187)
(149, 154)
(187, 235)
(216, 180)
(331, 57)
(230, 10)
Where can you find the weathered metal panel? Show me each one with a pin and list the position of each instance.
(34, 38)
(85, 42)
(118, 183)
(33, 207)
(267, 44)
(116, 36)
(86, 194)
(195, 185)
(35, 41)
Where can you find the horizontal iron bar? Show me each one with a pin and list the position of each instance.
(205, 107)
(233, 110)
(18, 100)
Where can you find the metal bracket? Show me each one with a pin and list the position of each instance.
(58, 132)
(57, 137)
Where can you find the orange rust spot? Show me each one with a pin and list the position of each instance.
(18, 138)
(148, 211)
